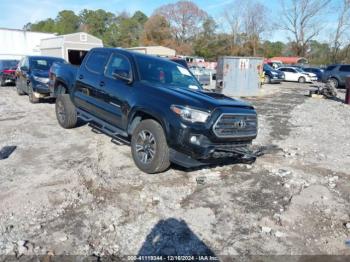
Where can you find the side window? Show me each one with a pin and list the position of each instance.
(292, 70)
(282, 69)
(330, 68)
(97, 61)
(345, 68)
(118, 64)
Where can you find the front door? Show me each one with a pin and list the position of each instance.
(116, 91)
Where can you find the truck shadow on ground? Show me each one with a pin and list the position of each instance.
(173, 237)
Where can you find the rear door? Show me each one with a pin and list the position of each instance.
(87, 91)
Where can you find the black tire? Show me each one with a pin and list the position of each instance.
(2, 82)
(66, 113)
(32, 98)
(333, 82)
(302, 80)
(267, 79)
(160, 160)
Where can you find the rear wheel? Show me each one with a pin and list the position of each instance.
(302, 79)
(149, 148)
(333, 82)
(65, 112)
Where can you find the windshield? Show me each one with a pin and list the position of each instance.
(299, 70)
(8, 64)
(44, 64)
(165, 72)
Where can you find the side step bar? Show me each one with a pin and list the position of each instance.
(118, 136)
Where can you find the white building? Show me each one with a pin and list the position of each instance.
(71, 47)
(14, 43)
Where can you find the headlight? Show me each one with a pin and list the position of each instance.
(190, 114)
(41, 79)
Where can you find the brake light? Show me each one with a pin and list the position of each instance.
(8, 72)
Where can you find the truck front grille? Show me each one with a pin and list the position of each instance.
(235, 126)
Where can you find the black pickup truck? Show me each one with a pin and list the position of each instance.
(155, 105)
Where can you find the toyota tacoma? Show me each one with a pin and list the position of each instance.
(155, 105)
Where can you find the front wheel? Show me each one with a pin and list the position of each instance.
(302, 79)
(65, 112)
(32, 98)
(149, 147)
(267, 79)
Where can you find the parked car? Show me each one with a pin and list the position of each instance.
(336, 75)
(297, 75)
(8, 71)
(202, 74)
(272, 75)
(317, 71)
(156, 105)
(33, 76)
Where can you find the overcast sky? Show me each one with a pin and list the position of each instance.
(15, 14)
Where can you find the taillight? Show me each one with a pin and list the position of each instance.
(8, 72)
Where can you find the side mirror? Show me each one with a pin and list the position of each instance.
(122, 76)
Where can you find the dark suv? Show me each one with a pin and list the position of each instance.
(336, 74)
(272, 75)
(33, 76)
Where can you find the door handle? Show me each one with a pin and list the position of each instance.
(81, 77)
(102, 84)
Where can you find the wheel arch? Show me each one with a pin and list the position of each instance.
(140, 114)
(61, 87)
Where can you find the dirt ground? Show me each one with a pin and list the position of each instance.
(74, 192)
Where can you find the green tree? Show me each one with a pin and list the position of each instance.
(47, 26)
(67, 22)
(130, 29)
(272, 49)
(96, 22)
(206, 43)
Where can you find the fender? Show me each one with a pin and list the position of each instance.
(150, 112)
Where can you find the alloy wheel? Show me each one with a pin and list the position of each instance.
(145, 146)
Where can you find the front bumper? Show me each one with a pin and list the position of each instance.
(41, 88)
(199, 142)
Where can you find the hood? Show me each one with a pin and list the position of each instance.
(203, 99)
(40, 73)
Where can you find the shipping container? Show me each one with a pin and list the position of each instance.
(239, 76)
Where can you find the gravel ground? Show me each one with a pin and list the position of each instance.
(74, 192)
